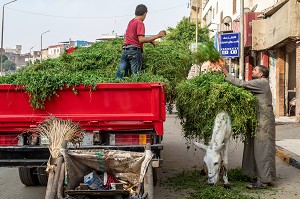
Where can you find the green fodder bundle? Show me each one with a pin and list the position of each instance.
(206, 51)
(200, 99)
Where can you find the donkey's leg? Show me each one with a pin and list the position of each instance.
(225, 163)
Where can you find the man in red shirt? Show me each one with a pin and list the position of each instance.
(133, 43)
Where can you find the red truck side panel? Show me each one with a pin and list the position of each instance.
(112, 106)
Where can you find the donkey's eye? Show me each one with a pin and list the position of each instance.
(216, 163)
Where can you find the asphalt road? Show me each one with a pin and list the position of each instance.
(176, 159)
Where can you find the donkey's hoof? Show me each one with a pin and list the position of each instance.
(227, 186)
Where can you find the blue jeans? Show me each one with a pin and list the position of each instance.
(131, 59)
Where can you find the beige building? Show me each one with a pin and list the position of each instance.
(194, 4)
(277, 35)
(55, 51)
(271, 38)
(16, 50)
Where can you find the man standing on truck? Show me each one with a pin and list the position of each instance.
(259, 151)
(134, 39)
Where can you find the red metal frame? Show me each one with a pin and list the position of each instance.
(111, 106)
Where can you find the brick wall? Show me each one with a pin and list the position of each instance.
(280, 62)
(297, 113)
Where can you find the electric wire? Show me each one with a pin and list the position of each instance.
(89, 17)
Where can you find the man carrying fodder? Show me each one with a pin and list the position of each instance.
(259, 151)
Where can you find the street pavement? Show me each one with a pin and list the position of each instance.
(288, 140)
(177, 158)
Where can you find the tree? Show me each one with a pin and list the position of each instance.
(4, 58)
(185, 33)
(9, 65)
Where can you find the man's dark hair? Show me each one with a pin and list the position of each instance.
(140, 10)
(264, 70)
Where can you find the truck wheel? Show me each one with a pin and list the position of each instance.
(28, 176)
(42, 176)
(170, 108)
(155, 176)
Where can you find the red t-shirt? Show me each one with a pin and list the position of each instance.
(134, 29)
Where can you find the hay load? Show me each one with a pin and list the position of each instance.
(200, 99)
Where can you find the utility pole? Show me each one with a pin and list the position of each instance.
(30, 55)
(42, 43)
(241, 76)
(197, 13)
(1, 59)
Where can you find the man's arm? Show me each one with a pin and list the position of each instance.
(144, 39)
(253, 86)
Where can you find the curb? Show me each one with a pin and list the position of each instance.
(288, 157)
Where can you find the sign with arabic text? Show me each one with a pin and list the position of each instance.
(230, 45)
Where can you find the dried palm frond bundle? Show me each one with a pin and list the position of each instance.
(58, 132)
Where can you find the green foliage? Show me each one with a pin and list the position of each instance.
(206, 52)
(171, 61)
(9, 65)
(4, 58)
(197, 188)
(185, 33)
(200, 99)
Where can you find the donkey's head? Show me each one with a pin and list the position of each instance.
(213, 160)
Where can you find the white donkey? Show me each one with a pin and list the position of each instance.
(216, 155)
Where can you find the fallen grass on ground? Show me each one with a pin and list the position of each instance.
(196, 187)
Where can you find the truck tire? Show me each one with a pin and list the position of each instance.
(170, 108)
(42, 176)
(155, 176)
(28, 176)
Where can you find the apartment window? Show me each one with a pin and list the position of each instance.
(234, 6)
(217, 8)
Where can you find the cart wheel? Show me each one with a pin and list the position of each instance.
(28, 176)
(42, 176)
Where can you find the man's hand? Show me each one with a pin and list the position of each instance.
(161, 33)
(153, 43)
(224, 70)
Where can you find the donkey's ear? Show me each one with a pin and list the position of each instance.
(200, 146)
(220, 148)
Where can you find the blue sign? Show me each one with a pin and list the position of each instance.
(230, 45)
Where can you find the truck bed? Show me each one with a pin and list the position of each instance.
(108, 111)
(111, 106)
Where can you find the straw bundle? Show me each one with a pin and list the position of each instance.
(58, 132)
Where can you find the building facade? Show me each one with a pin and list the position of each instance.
(271, 38)
(196, 10)
(55, 51)
(277, 38)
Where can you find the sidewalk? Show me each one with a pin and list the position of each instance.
(288, 140)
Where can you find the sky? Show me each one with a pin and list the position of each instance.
(26, 20)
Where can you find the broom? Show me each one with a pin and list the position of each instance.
(58, 132)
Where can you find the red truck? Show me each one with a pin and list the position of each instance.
(122, 116)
